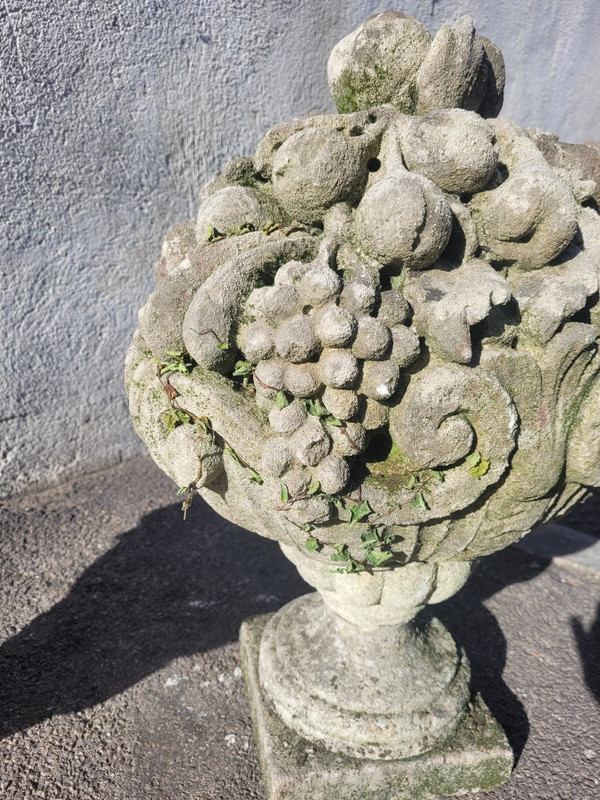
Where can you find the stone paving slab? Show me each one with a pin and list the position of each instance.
(119, 658)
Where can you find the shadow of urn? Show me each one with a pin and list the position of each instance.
(377, 345)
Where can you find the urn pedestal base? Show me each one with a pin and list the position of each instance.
(476, 757)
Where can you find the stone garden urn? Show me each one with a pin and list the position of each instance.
(377, 344)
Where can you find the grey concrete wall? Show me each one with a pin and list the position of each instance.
(112, 116)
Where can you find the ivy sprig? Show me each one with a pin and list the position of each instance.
(255, 477)
(359, 512)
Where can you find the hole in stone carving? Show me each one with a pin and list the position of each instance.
(379, 447)
(500, 264)
(501, 173)
(308, 310)
(385, 280)
(591, 203)
(466, 198)
(372, 117)
(357, 130)
(373, 164)
(384, 463)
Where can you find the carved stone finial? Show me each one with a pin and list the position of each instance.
(391, 58)
(377, 344)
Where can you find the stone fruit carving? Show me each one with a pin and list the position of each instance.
(377, 344)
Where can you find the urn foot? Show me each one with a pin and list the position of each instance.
(474, 756)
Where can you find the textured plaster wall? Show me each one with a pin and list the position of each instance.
(112, 116)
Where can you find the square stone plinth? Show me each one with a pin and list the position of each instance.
(477, 757)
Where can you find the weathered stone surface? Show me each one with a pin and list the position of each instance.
(403, 221)
(223, 210)
(447, 302)
(530, 216)
(457, 72)
(477, 757)
(416, 688)
(379, 346)
(390, 58)
(453, 148)
(316, 168)
(581, 162)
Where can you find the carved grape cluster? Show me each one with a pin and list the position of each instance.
(327, 354)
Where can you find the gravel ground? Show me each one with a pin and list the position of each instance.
(120, 666)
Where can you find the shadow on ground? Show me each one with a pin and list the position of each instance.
(476, 629)
(165, 590)
(588, 644)
(169, 589)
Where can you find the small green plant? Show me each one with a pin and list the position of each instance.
(420, 482)
(315, 407)
(342, 554)
(378, 557)
(214, 235)
(174, 417)
(418, 501)
(242, 368)
(478, 466)
(205, 428)
(240, 230)
(188, 491)
(377, 543)
(359, 512)
(180, 362)
(397, 281)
